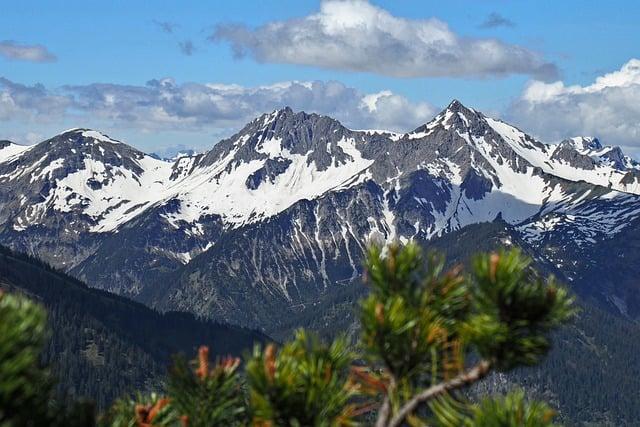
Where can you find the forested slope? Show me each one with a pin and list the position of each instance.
(104, 345)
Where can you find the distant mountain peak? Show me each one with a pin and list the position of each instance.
(275, 116)
(456, 106)
(591, 148)
(285, 110)
(80, 133)
(455, 116)
(298, 131)
(585, 143)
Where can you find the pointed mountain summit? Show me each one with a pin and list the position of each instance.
(584, 143)
(273, 162)
(283, 133)
(456, 106)
(455, 110)
(83, 141)
(587, 153)
(600, 154)
(92, 180)
(575, 159)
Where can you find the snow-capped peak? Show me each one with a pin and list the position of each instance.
(608, 155)
(575, 159)
(10, 150)
(85, 172)
(89, 134)
(268, 119)
(456, 106)
(584, 143)
(455, 115)
(98, 136)
(182, 153)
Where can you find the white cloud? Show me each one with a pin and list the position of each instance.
(395, 112)
(23, 102)
(164, 105)
(355, 35)
(22, 52)
(609, 108)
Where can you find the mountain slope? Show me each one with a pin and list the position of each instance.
(102, 345)
(278, 215)
(59, 196)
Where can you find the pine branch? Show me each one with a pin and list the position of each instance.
(471, 376)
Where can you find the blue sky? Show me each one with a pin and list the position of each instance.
(53, 54)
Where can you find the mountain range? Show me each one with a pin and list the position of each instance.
(276, 218)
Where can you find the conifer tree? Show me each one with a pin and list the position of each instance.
(432, 332)
(305, 383)
(24, 384)
(204, 395)
(27, 395)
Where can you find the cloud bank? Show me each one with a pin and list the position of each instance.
(166, 105)
(24, 52)
(355, 35)
(20, 102)
(609, 108)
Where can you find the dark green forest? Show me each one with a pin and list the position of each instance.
(102, 346)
